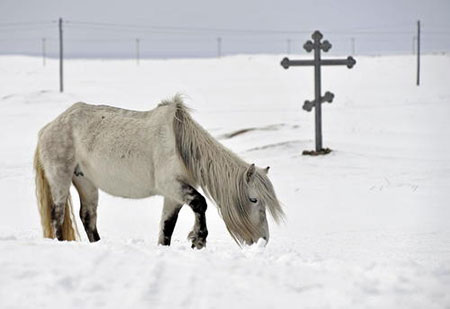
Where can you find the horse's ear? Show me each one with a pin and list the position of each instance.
(267, 170)
(250, 174)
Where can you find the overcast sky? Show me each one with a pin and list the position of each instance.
(105, 28)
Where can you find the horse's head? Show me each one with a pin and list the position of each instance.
(246, 220)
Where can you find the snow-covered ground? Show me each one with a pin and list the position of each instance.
(368, 226)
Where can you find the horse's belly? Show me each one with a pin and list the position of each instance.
(119, 180)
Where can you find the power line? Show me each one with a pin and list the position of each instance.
(17, 26)
(241, 38)
(27, 28)
(187, 28)
(14, 24)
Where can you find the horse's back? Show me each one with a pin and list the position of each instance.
(84, 121)
(121, 151)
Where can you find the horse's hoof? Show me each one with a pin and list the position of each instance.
(198, 244)
(197, 241)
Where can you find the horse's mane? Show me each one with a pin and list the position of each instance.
(220, 173)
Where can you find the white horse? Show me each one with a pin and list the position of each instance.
(135, 154)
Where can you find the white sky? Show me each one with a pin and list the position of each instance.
(385, 26)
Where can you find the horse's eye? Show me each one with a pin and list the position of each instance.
(253, 200)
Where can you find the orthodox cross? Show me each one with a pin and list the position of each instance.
(317, 46)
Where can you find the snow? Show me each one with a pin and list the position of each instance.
(367, 226)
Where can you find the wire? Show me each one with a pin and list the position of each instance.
(364, 30)
(26, 29)
(15, 24)
(184, 29)
(377, 36)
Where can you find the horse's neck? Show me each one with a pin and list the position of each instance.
(213, 167)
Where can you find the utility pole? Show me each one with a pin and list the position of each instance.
(418, 52)
(288, 46)
(219, 47)
(353, 46)
(137, 51)
(61, 58)
(43, 52)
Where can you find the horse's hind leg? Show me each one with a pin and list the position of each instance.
(58, 176)
(88, 201)
(169, 218)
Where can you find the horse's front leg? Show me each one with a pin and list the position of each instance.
(198, 204)
(184, 194)
(169, 218)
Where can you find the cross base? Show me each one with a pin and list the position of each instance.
(323, 151)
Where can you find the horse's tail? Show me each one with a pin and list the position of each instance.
(45, 204)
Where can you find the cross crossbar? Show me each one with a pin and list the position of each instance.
(349, 62)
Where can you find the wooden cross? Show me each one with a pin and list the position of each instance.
(317, 46)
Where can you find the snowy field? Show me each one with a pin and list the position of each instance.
(367, 226)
